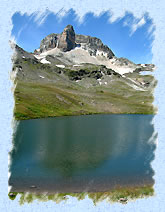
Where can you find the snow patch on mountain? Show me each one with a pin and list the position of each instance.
(60, 66)
(78, 55)
(44, 61)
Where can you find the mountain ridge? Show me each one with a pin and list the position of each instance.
(66, 79)
(68, 36)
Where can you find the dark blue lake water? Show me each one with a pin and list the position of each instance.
(82, 153)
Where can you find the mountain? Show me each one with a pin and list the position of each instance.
(68, 40)
(72, 74)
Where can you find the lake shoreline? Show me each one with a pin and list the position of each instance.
(121, 195)
(85, 114)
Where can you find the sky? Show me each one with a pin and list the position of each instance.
(127, 37)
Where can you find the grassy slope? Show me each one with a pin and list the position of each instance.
(57, 95)
(37, 100)
(129, 193)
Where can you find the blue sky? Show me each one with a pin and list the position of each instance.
(127, 37)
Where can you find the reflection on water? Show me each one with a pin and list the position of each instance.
(83, 153)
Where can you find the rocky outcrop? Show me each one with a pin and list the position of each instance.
(94, 46)
(20, 54)
(49, 42)
(68, 40)
(87, 72)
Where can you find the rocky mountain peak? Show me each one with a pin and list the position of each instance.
(67, 39)
(69, 28)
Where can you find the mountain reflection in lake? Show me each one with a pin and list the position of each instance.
(82, 153)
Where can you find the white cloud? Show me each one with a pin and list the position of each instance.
(61, 13)
(136, 25)
(151, 29)
(40, 17)
(20, 31)
(127, 22)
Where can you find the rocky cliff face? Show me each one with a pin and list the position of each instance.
(94, 46)
(68, 40)
(49, 42)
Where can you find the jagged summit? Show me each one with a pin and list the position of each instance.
(68, 40)
(71, 49)
(73, 74)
